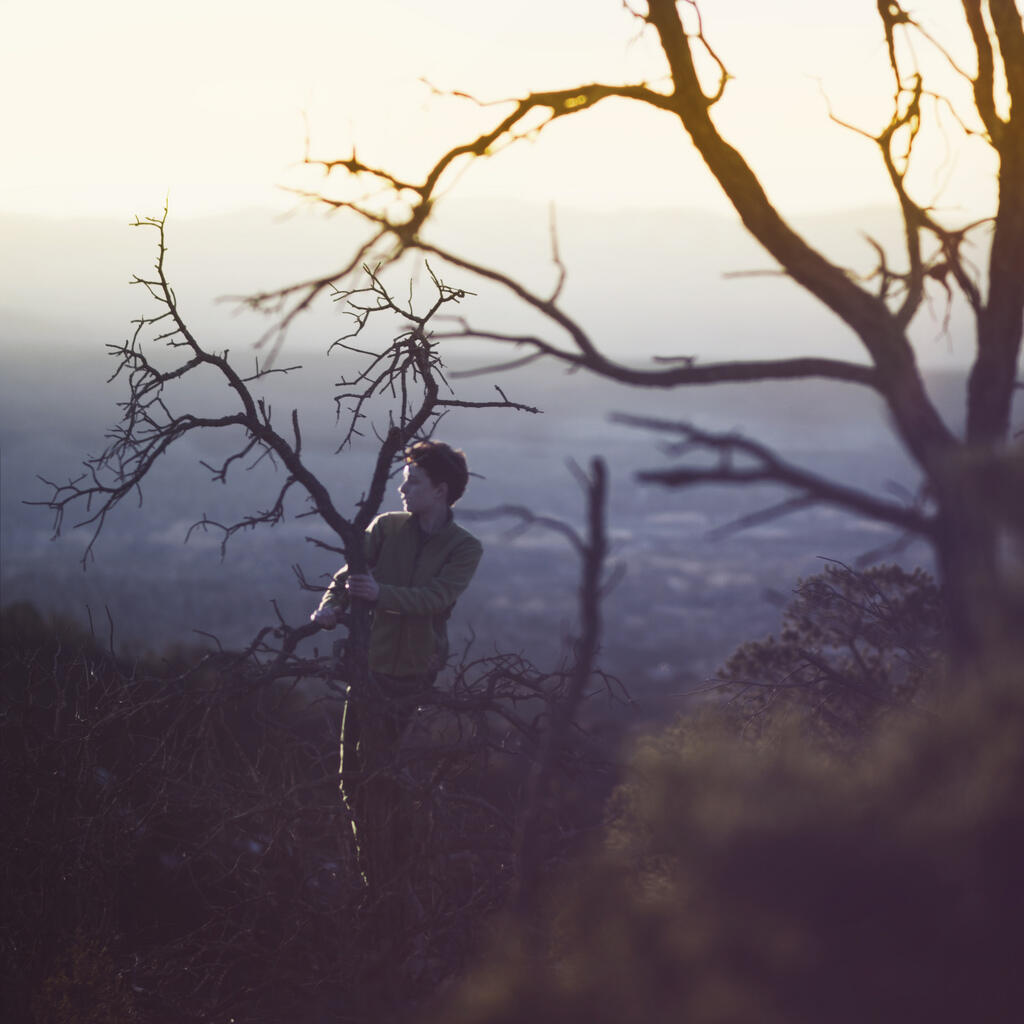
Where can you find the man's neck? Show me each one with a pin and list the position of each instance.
(434, 520)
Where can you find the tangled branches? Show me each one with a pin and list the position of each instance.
(200, 804)
(175, 845)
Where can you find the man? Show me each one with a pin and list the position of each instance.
(420, 562)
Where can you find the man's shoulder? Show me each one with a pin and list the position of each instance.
(462, 536)
(390, 522)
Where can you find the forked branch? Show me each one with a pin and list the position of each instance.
(740, 460)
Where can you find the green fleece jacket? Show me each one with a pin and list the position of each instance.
(420, 577)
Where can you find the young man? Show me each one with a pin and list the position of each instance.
(420, 562)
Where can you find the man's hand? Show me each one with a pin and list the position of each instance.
(325, 618)
(363, 586)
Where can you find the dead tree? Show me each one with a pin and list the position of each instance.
(592, 550)
(500, 718)
(972, 502)
(406, 374)
(504, 719)
(178, 825)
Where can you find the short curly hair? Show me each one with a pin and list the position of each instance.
(443, 464)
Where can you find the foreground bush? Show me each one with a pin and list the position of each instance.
(175, 847)
(854, 649)
(765, 883)
(173, 843)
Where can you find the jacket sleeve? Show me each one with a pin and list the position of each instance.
(336, 596)
(442, 591)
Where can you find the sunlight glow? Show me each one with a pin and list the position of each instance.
(215, 101)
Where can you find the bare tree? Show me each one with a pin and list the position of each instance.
(439, 848)
(406, 373)
(592, 549)
(973, 495)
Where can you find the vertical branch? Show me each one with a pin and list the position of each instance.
(529, 847)
(1001, 321)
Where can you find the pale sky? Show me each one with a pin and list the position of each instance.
(107, 105)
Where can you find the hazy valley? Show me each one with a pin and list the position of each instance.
(684, 599)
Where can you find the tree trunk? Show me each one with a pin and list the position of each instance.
(980, 551)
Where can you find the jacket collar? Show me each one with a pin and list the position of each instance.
(447, 527)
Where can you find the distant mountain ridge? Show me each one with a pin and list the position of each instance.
(647, 280)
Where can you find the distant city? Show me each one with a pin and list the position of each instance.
(681, 603)
(684, 600)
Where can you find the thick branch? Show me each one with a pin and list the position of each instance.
(1006, 20)
(557, 103)
(919, 424)
(984, 96)
(1001, 322)
(588, 356)
(765, 466)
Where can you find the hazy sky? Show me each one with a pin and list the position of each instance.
(109, 104)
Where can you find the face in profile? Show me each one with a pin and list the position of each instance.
(419, 493)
